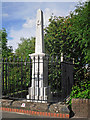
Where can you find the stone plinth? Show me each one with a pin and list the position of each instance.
(39, 90)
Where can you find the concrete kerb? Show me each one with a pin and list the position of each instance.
(35, 113)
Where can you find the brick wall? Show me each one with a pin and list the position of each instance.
(81, 107)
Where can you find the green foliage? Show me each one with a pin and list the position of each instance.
(81, 90)
(18, 73)
(26, 47)
(6, 50)
(70, 35)
(19, 68)
(54, 74)
(80, 25)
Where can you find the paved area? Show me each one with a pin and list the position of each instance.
(17, 115)
(20, 116)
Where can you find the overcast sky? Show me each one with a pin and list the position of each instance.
(19, 18)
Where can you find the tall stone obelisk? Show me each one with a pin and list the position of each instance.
(39, 90)
(39, 46)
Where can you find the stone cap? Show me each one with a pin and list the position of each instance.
(38, 54)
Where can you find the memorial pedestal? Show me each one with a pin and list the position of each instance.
(39, 90)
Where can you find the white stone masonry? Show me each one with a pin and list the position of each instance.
(39, 90)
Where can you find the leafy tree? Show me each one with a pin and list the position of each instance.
(19, 68)
(80, 31)
(70, 35)
(6, 50)
(26, 47)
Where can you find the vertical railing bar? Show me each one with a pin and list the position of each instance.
(43, 78)
(3, 75)
(10, 81)
(38, 76)
(60, 82)
(31, 77)
(34, 77)
(57, 78)
(66, 81)
(13, 77)
(48, 69)
(51, 81)
(8, 76)
(17, 84)
(6, 73)
(21, 75)
(15, 62)
(25, 74)
(51, 72)
(54, 65)
(30, 70)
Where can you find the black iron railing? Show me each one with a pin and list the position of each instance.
(17, 77)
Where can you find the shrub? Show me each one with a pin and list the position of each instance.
(80, 90)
